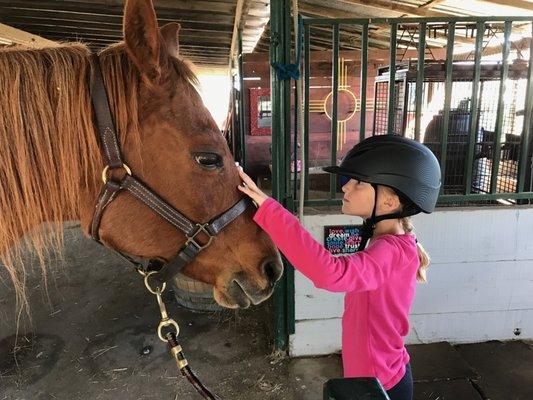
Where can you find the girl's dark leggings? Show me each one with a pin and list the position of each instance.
(403, 390)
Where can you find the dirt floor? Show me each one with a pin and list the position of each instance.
(93, 337)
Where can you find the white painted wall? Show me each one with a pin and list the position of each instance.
(480, 281)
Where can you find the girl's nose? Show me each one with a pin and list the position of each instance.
(345, 188)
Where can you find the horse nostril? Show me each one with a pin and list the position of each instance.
(273, 269)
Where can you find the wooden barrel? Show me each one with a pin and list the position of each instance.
(193, 294)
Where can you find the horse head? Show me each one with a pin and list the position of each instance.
(179, 152)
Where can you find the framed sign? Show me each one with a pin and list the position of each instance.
(260, 111)
(342, 239)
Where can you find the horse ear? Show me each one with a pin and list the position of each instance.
(169, 33)
(141, 37)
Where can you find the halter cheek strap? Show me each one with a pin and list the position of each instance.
(196, 236)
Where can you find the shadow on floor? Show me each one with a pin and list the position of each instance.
(93, 338)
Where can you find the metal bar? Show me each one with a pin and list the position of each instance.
(294, 159)
(335, 91)
(405, 100)
(392, 77)
(328, 21)
(307, 68)
(242, 136)
(472, 133)
(412, 20)
(233, 119)
(375, 108)
(364, 71)
(323, 202)
(501, 108)
(447, 101)
(525, 162)
(452, 198)
(289, 310)
(420, 78)
(482, 197)
(279, 49)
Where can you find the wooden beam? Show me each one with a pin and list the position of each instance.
(523, 4)
(172, 5)
(236, 27)
(110, 10)
(10, 35)
(430, 4)
(380, 6)
(99, 24)
(73, 28)
(375, 56)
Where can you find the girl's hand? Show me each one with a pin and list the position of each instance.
(250, 188)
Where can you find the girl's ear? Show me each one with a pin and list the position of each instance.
(390, 199)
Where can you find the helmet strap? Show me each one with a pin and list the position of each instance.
(370, 223)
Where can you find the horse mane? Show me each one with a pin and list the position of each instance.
(49, 153)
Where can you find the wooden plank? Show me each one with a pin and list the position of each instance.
(236, 27)
(522, 4)
(9, 35)
(452, 288)
(95, 30)
(118, 5)
(323, 336)
(90, 9)
(72, 22)
(430, 4)
(380, 8)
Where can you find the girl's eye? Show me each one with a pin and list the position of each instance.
(208, 160)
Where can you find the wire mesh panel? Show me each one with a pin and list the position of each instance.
(459, 121)
(380, 108)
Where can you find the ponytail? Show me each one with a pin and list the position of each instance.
(422, 255)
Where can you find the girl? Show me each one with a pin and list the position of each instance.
(389, 178)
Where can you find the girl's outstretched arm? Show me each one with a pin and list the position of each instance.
(365, 270)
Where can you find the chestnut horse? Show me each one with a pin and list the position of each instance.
(51, 159)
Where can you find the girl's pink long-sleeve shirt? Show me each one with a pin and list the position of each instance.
(379, 283)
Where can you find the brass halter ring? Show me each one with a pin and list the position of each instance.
(164, 324)
(157, 291)
(106, 170)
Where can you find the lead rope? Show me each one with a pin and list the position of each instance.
(171, 338)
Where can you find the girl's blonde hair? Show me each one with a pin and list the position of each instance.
(421, 275)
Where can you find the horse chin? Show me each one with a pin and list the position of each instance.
(234, 295)
(233, 300)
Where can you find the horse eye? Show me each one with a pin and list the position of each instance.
(209, 160)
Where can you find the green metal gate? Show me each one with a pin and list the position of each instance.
(280, 47)
(468, 193)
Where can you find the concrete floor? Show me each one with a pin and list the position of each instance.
(86, 342)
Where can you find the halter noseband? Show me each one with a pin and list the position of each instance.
(193, 230)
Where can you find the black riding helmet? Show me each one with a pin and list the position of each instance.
(405, 165)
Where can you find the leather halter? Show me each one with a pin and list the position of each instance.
(193, 230)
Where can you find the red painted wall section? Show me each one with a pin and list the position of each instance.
(257, 75)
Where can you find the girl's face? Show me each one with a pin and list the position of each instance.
(359, 199)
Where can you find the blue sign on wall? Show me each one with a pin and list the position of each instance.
(342, 239)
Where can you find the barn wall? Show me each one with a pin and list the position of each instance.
(257, 147)
(480, 281)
